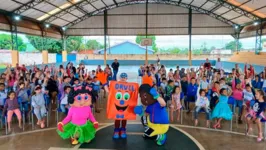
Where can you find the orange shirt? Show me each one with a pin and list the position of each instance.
(147, 80)
(102, 77)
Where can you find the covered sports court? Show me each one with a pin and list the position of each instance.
(64, 18)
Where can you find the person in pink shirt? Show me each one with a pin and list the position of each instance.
(238, 96)
(79, 124)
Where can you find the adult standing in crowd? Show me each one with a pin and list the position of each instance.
(115, 66)
(219, 64)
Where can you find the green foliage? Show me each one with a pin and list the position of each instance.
(49, 44)
(6, 43)
(232, 45)
(93, 45)
(74, 43)
(154, 46)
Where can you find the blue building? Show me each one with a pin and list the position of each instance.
(126, 47)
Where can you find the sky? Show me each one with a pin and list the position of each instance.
(181, 41)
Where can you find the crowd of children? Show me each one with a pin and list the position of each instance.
(210, 89)
(23, 90)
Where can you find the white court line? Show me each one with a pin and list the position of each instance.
(210, 129)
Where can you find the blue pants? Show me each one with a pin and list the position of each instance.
(40, 112)
(63, 108)
(2, 117)
(204, 109)
(25, 106)
(115, 74)
(239, 104)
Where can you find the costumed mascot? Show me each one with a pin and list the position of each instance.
(155, 119)
(122, 99)
(79, 124)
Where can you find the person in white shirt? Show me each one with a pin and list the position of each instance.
(64, 102)
(204, 84)
(219, 64)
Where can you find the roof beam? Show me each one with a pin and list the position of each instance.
(38, 9)
(26, 6)
(104, 3)
(62, 13)
(174, 3)
(115, 2)
(237, 9)
(78, 7)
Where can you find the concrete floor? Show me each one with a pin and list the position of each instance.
(210, 139)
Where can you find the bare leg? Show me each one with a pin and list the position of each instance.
(248, 119)
(196, 122)
(19, 123)
(9, 126)
(259, 129)
(172, 114)
(178, 114)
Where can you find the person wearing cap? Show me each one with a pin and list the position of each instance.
(120, 125)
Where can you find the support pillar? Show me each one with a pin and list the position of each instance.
(105, 37)
(146, 31)
(190, 33)
(15, 57)
(45, 56)
(258, 46)
(64, 56)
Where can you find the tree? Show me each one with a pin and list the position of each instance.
(232, 45)
(94, 45)
(74, 43)
(153, 38)
(49, 44)
(6, 43)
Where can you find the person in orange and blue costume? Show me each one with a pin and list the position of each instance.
(122, 99)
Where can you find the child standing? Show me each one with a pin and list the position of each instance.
(222, 109)
(176, 103)
(64, 103)
(12, 107)
(169, 89)
(38, 103)
(256, 113)
(202, 103)
(238, 96)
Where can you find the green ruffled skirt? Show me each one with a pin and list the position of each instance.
(84, 133)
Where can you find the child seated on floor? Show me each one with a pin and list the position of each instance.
(256, 114)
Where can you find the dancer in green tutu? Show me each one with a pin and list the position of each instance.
(79, 124)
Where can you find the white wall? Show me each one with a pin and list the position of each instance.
(25, 58)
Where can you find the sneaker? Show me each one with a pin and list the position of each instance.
(74, 141)
(123, 133)
(161, 140)
(116, 133)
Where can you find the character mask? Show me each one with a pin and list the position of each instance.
(122, 99)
